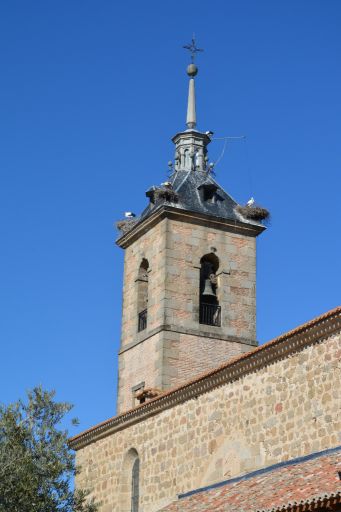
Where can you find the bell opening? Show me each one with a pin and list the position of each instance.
(208, 280)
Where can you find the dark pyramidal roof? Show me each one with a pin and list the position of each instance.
(191, 191)
(195, 191)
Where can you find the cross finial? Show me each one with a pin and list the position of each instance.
(193, 48)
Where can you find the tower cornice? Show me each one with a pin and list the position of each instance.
(166, 211)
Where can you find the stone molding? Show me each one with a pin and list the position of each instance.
(280, 348)
(201, 219)
(215, 335)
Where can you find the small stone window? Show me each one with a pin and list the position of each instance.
(136, 390)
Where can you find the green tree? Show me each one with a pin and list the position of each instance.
(36, 463)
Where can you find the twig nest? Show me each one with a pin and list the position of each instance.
(253, 212)
(166, 194)
(126, 225)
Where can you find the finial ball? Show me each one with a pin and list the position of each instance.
(192, 70)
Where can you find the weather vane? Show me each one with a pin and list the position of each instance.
(193, 49)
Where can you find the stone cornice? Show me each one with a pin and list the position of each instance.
(215, 335)
(289, 343)
(191, 134)
(165, 211)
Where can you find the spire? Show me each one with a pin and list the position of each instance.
(191, 145)
(191, 121)
(192, 70)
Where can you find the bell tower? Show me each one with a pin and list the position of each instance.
(189, 299)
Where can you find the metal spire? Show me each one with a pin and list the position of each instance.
(191, 120)
(192, 70)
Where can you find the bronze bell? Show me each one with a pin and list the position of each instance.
(208, 290)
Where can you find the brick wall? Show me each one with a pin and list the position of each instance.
(197, 353)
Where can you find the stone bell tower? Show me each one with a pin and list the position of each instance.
(189, 275)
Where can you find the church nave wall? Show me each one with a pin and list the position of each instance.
(284, 410)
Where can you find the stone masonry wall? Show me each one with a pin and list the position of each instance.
(186, 245)
(140, 363)
(152, 247)
(173, 347)
(287, 409)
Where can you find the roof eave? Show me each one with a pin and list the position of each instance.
(319, 328)
(163, 211)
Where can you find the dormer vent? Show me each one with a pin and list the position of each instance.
(208, 192)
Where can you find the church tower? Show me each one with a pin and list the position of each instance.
(189, 300)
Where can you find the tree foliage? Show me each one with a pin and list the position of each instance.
(36, 464)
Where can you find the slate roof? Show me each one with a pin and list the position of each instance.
(308, 483)
(187, 186)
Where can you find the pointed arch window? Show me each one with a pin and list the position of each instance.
(129, 482)
(142, 295)
(135, 485)
(209, 309)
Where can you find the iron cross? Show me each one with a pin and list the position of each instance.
(192, 48)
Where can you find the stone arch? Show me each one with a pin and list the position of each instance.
(208, 290)
(131, 461)
(231, 459)
(211, 258)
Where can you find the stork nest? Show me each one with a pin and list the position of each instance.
(125, 225)
(167, 194)
(253, 212)
(147, 393)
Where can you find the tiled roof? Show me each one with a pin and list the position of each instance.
(309, 483)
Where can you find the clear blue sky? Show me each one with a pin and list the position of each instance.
(90, 96)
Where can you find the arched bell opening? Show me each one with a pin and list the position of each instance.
(210, 311)
(142, 295)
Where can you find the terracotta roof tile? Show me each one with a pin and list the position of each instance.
(309, 482)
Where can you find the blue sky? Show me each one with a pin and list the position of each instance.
(90, 96)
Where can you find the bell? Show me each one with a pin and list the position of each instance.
(208, 290)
